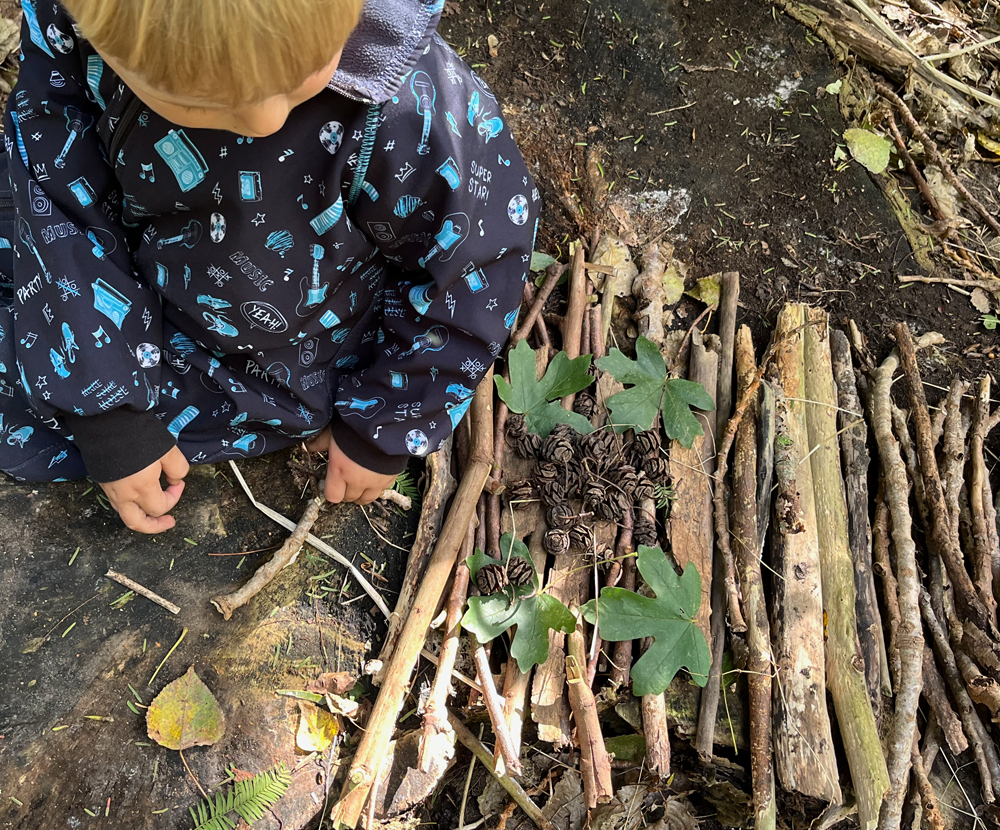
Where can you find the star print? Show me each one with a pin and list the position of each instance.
(259, 220)
(225, 443)
(36, 136)
(41, 381)
(358, 135)
(226, 407)
(433, 425)
(46, 395)
(307, 179)
(492, 304)
(322, 189)
(525, 258)
(215, 413)
(390, 146)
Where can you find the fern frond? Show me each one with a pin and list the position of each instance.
(250, 799)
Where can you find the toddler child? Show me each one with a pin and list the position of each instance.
(246, 223)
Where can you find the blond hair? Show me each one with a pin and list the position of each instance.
(226, 51)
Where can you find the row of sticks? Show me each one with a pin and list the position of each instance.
(857, 665)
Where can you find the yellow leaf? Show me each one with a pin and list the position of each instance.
(185, 714)
(317, 727)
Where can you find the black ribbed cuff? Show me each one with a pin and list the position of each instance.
(363, 453)
(119, 443)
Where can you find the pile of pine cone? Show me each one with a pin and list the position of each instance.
(583, 478)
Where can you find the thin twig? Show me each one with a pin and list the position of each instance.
(494, 706)
(145, 592)
(397, 498)
(552, 275)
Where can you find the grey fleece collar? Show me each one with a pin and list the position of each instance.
(387, 40)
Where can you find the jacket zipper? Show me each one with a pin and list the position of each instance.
(125, 127)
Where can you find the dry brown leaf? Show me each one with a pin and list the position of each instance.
(980, 300)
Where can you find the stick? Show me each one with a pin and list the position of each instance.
(576, 307)
(227, 603)
(397, 498)
(516, 791)
(983, 748)
(432, 510)
(621, 664)
(434, 748)
(844, 665)
(748, 565)
(595, 768)
(883, 567)
(728, 299)
(909, 640)
(982, 549)
(382, 720)
(552, 275)
(940, 534)
(855, 460)
(937, 698)
(932, 152)
(145, 592)
(494, 706)
(623, 547)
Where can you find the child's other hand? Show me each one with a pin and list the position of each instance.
(346, 480)
(140, 500)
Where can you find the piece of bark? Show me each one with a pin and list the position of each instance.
(692, 531)
(883, 567)
(621, 667)
(803, 741)
(595, 766)
(382, 720)
(855, 461)
(576, 308)
(657, 735)
(844, 663)
(440, 488)
(647, 288)
(758, 635)
(765, 463)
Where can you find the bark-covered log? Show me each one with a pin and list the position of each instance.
(844, 663)
(803, 741)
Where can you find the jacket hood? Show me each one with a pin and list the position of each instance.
(389, 37)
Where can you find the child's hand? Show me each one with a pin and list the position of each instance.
(346, 480)
(141, 502)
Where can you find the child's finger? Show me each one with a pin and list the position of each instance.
(135, 518)
(370, 495)
(175, 466)
(334, 489)
(319, 443)
(157, 502)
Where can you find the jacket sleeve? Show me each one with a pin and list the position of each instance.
(86, 330)
(448, 201)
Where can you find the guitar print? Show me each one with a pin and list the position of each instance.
(77, 123)
(312, 293)
(189, 236)
(24, 231)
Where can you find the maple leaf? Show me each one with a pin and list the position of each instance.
(185, 714)
(651, 391)
(534, 613)
(668, 618)
(537, 399)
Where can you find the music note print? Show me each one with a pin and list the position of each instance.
(98, 335)
(286, 154)
(377, 431)
(304, 205)
(481, 231)
(29, 340)
(147, 168)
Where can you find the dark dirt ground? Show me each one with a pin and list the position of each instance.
(700, 120)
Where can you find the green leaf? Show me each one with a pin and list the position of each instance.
(534, 615)
(535, 399)
(636, 408)
(540, 261)
(869, 149)
(668, 618)
(707, 290)
(679, 421)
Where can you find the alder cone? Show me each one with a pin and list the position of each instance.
(557, 449)
(581, 536)
(560, 516)
(491, 579)
(551, 490)
(556, 541)
(656, 467)
(644, 488)
(594, 493)
(585, 404)
(565, 431)
(527, 446)
(644, 532)
(599, 446)
(647, 443)
(610, 509)
(521, 491)
(517, 427)
(520, 571)
(626, 478)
